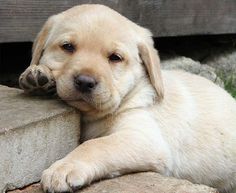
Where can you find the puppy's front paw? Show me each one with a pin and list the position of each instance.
(65, 177)
(38, 80)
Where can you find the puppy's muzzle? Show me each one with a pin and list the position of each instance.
(85, 83)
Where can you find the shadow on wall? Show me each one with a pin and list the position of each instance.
(14, 58)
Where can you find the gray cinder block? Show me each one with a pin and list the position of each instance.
(34, 132)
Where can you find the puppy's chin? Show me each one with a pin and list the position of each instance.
(95, 110)
(93, 104)
(80, 105)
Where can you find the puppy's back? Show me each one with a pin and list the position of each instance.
(198, 120)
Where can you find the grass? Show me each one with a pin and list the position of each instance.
(229, 82)
(230, 86)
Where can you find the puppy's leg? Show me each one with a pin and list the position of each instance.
(38, 79)
(116, 154)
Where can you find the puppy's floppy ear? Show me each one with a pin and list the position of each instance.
(39, 43)
(151, 60)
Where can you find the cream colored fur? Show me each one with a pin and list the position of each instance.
(138, 118)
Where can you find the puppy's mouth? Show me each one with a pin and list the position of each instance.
(92, 108)
(93, 101)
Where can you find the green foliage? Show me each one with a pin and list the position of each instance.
(229, 82)
(230, 86)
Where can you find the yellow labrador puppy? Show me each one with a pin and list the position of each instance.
(135, 117)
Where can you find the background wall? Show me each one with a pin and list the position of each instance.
(20, 20)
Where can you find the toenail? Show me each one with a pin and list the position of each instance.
(23, 85)
(75, 188)
(51, 87)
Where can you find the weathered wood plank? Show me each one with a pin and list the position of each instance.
(20, 20)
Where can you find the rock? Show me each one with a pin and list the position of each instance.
(34, 133)
(224, 61)
(146, 182)
(189, 65)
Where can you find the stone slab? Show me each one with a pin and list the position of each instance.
(147, 182)
(34, 133)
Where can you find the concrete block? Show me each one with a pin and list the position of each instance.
(34, 133)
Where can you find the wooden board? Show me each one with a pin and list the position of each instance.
(20, 20)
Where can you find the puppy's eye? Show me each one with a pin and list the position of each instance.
(68, 47)
(115, 58)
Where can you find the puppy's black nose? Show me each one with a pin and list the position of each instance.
(85, 83)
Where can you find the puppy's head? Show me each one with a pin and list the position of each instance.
(97, 57)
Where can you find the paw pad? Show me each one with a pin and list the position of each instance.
(37, 80)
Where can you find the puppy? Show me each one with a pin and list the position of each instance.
(135, 117)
